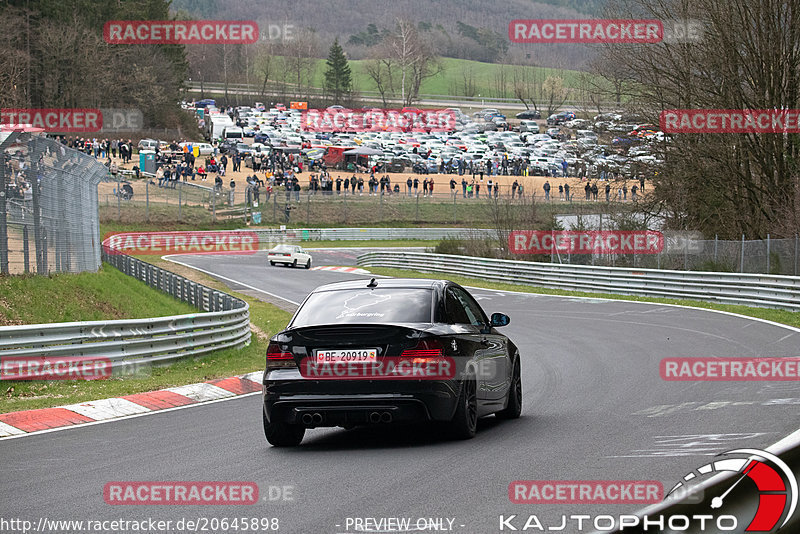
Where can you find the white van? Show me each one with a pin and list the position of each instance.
(233, 133)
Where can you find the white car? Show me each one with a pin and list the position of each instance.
(204, 149)
(293, 255)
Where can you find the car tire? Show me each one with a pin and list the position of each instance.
(308, 264)
(464, 424)
(514, 408)
(282, 434)
(272, 263)
(294, 263)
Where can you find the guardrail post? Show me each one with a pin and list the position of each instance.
(741, 260)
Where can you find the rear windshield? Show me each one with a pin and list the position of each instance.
(365, 306)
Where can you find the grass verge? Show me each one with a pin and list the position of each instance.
(778, 316)
(265, 318)
(107, 294)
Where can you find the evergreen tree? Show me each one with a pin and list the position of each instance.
(338, 78)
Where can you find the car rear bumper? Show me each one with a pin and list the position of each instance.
(356, 402)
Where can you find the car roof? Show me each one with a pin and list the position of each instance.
(394, 283)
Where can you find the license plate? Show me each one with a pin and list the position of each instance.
(350, 355)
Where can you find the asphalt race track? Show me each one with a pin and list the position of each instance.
(595, 407)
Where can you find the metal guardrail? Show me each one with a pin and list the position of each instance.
(482, 101)
(266, 235)
(127, 344)
(771, 291)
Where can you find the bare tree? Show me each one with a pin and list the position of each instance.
(721, 183)
(555, 94)
(413, 59)
(526, 83)
(265, 63)
(380, 69)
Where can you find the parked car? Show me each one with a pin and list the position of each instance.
(293, 255)
(148, 144)
(529, 114)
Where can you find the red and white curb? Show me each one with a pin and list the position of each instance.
(351, 270)
(45, 419)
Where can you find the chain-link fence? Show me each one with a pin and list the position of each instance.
(681, 251)
(48, 206)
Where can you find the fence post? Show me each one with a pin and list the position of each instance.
(741, 261)
(119, 209)
(795, 254)
(180, 198)
(26, 250)
(417, 216)
(685, 256)
(716, 244)
(147, 200)
(768, 253)
(3, 221)
(308, 208)
(454, 207)
(214, 204)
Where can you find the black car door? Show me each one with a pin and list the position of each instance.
(490, 350)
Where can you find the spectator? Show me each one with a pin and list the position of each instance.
(634, 188)
(608, 192)
(560, 192)
(566, 193)
(588, 190)
(546, 188)
(514, 187)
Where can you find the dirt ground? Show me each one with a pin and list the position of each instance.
(532, 184)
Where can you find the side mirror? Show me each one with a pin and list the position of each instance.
(500, 319)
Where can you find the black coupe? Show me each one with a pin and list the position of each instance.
(389, 351)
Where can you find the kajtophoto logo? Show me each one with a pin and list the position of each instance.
(773, 479)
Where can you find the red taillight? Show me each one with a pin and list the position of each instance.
(425, 350)
(274, 353)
